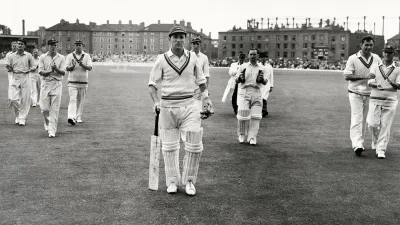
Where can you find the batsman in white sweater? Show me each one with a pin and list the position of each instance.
(383, 101)
(178, 73)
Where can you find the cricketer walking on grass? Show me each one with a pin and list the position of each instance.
(357, 73)
(35, 79)
(20, 64)
(269, 86)
(252, 77)
(178, 73)
(52, 69)
(383, 100)
(79, 63)
(204, 64)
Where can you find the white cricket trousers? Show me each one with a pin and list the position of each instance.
(20, 95)
(359, 110)
(76, 102)
(379, 121)
(10, 80)
(50, 101)
(36, 83)
(249, 112)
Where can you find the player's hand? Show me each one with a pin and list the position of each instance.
(370, 76)
(208, 109)
(156, 107)
(260, 78)
(270, 89)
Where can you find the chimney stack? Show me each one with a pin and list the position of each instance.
(77, 21)
(120, 22)
(108, 22)
(23, 27)
(142, 25)
(159, 22)
(182, 23)
(209, 34)
(189, 24)
(174, 22)
(399, 24)
(201, 30)
(130, 22)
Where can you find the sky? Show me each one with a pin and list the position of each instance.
(210, 15)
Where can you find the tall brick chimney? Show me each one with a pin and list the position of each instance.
(201, 30)
(189, 24)
(174, 22)
(23, 27)
(209, 34)
(130, 22)
(108, 22)
(120, 22)
(182, 23)
(159, 22)
(142, 25)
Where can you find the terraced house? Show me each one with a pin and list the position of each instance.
(106, 39)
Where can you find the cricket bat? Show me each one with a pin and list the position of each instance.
(155, 148)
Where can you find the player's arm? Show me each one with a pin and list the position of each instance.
(206, 70)
(86, 67)
(60, 70)
(349, 71)
(70, 63)
(42, 71)
(33, 67)
(155, 77)
(396, 84)
(8, 63)
(233, 70)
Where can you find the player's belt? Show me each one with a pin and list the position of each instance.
(176, 97)
(357, 93)
(380, 98)
(21, 72)
(77, 82)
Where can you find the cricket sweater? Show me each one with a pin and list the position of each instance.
(78, 77)
(179, 77)
(358, 65)
(385, 94)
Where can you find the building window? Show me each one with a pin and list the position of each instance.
(313, 37)
(224, 38)
(161, 41)
(278, 45)
(321, 37)
(69, 39)
(333, 47)
(109, 40)
(251, 38)
(312, 45)
(277, 54)
(54, 33)
(267, 38)
(259, 46)
(293, 46)
(101, 46)
(285, 45)
(342, 55)
(240, 45)
(305, 37)
(144, 40)
(151, 40)
(233, 38)
(292, 54)
(145, 34)
(233, 45)
(233, 53)
(123, 34)
(293, 37)
(116, 46)
(123, 39)
(109, 34)
(59, 33)
(123, 46)
(259, 38)
(284, 54)
(144, 47)
(266, 45)
(151, 34)
(278, 38)
(116, 39)
(240, 38)
(108, 46)
(252, 45)
(342, 46)
(137, 40)
(343, 38)
(285, 37)
(305, 54)
(333, 38)
(130, 40)
(68, 33)
(101, 52)
(305, 45)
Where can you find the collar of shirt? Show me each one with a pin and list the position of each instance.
(359, 55)
(170, 53)
(57, 54)
(253, 65)
(79, 54)
(391, 65)
(24, 53)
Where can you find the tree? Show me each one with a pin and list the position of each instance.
(5, 30)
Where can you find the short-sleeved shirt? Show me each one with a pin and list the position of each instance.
(79, 77)
(179, 77)
(46, 62)
(21, 63)
(204, 64)
(358, 65)
(8, 57)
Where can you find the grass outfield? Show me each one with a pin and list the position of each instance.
(302, 170)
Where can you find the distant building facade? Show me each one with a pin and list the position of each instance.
(331, 42)
(106, 39)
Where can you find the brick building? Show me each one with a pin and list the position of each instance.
(115, 38)
(153, 39)
(330, 42)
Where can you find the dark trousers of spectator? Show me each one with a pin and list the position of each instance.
(234, 99)
(264, 108)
